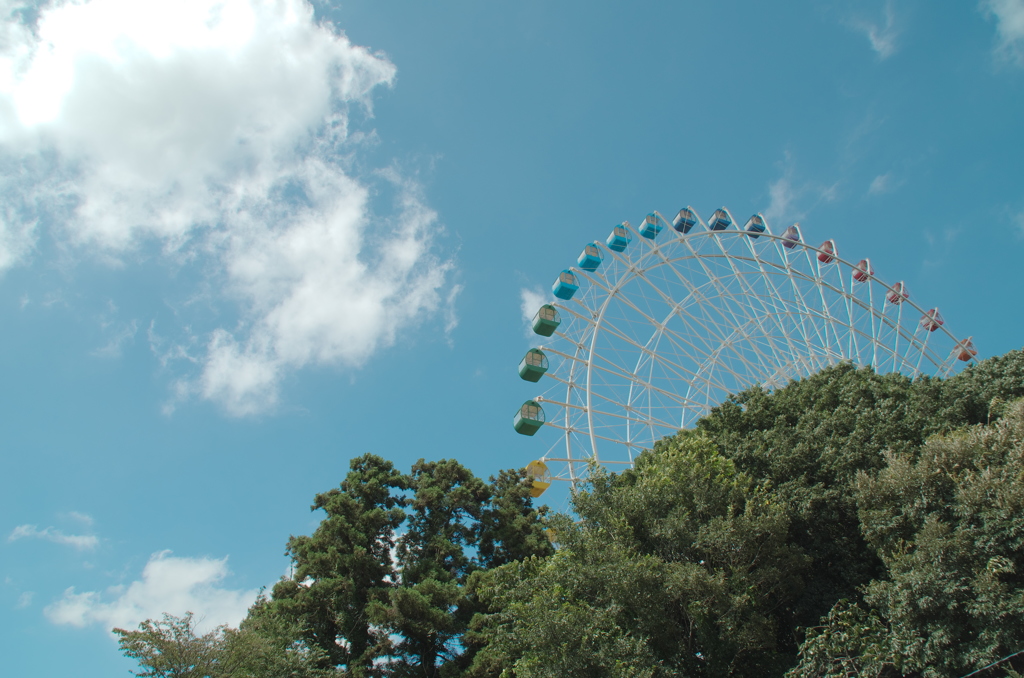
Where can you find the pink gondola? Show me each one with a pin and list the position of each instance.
(828, 252)
(863, 271)
(897, 294)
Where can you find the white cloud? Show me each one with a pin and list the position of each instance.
(880, 184)
(81, 542)
(531, 299)
(169, 584)
(121, 334)
(25, 599)
(882, 35)
(219, 130)
(83, 518)
(1009, 15)
(787, 198)
(780, 197)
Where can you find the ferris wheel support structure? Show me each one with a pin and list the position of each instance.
(668, 325)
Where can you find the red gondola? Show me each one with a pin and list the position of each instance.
(897, 294)
(932, 320)
(828, 252)
(965, 350)
(863, 271)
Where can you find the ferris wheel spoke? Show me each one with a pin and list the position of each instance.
(646, 318)
(751, 296)
(615, 371)
(643, 421)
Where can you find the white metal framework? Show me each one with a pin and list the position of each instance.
(670, 327)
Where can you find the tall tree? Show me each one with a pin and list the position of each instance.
(510, 527)
(345, 566)
(428, 611)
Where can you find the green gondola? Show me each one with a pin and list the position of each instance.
(546, 321)
(529, 418)
(533, 365)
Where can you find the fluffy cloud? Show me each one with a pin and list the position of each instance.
(1009, 15)
(169, 584)
(530, 299)
(221, 131)
(82, 542)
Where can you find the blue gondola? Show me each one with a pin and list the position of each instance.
(685, 220)
(756, 225)
(620, 238)
(652, 225)
(591, 257)
(565, 285)
(529, 418)
(791, 237)
(720, 220)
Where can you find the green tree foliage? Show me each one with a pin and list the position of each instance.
(376, 603)
(345, 566)
(812, 439)
(948, 523)
(787, 529)
(808, 441)
(264, 646)
(427, 610)
(978, 395)
(848, 524)
(268, 645)
(677, 567)
(170, 648)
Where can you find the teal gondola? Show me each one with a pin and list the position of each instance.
(546, 321)
(652, 225)
(533, 365)
(720, 220)
(591, 257)
(686, 220)
(619, 238)
(756, 225)
(529, 418)
(565, 285)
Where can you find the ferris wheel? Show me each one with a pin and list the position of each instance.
(657, 324)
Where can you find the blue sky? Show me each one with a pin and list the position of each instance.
(243, 242)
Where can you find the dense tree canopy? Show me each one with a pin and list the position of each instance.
(847, 524)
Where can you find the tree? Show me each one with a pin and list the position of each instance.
(427, 610)
(171, 648)
(510, 527)
(345, 566)
(267, 645)
(949, 526)
(375, 604)
(677, 567)
(809, 440)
